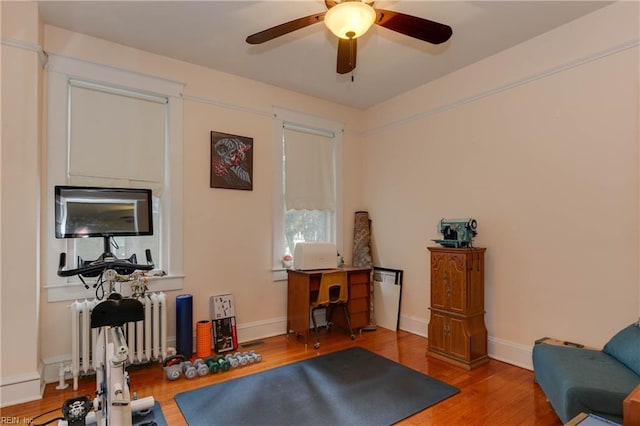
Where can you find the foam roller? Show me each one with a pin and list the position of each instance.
(184, 325)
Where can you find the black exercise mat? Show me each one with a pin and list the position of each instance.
(350, 387)
(154, 418)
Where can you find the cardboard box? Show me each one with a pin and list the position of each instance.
(225, 338)
(222, 306)
(557, 342)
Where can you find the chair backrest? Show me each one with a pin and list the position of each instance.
(331, 280)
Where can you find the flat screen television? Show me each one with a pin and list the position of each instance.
(82, 212)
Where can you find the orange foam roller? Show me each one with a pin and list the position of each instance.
(203, 339)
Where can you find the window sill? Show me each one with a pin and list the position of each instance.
(279, 274)
(76, 290)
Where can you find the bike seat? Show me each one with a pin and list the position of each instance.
(116, 310)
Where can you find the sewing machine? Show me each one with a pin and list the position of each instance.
(457, 232)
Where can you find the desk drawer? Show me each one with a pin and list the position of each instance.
(358, 305)
(359, 277)
(358, 291)
(359, 320)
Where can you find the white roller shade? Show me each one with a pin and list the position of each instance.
(309, 171)
(117, 138)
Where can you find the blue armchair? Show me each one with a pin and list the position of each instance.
(579, 380)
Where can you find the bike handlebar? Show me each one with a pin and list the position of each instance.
(122, 266)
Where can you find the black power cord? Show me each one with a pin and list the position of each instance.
(30, 422)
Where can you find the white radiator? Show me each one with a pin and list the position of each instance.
(146, 339)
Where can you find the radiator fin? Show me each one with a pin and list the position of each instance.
(146, 339)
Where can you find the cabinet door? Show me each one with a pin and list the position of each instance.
(458, 339)
(456, 285)
(439, 280)
(449, 282)
(437, 327)
(448, 335)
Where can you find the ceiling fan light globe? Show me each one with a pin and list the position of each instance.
(350, 19)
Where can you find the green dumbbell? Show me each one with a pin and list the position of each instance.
(223, 363)
(214, 367)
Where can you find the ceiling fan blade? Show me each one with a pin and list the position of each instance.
(282, 29)
(347, 52)
(422, 29)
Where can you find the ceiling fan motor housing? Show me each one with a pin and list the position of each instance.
(350, 19)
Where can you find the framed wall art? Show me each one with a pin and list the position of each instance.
(231, 161)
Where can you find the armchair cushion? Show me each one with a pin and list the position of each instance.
(582, 380)
(625, 347)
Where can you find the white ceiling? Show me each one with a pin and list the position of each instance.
(212, 34)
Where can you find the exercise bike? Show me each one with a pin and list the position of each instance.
(113, 403)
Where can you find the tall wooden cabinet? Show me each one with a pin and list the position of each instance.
(456, 330)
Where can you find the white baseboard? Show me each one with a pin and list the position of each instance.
(21, 388)
(498, 349)
(512, 353)
(414, 325)
(247, 332)
(251, 331)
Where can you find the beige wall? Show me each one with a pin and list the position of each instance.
(227, 234)
(20, 165)
(539, 144)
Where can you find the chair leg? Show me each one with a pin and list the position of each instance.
(315, 328)
(346, 315)
(329, 315)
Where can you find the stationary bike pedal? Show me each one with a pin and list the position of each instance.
(76, 409)
(144, 412)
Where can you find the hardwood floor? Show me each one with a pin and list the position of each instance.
(492, 394)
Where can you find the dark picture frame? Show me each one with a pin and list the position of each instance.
(231, 161)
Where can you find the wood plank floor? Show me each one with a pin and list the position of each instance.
(492, 394)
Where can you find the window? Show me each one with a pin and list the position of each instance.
(309, 187)
(113, 128)
(104, 123)
(308, 207)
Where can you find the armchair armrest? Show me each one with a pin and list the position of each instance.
(631, 408)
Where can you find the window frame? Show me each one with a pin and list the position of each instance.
(306, 122)
(61, 70)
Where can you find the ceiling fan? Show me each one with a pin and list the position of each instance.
(349, 19)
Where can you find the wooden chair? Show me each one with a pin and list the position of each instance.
(333, 291)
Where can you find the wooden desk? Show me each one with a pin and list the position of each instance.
(302, 287)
